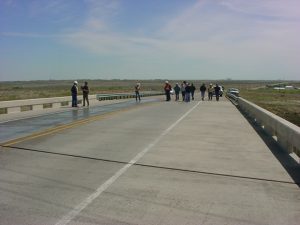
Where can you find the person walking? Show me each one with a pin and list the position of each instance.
(177, 91)
(217, 92)
(74, 91)
(188, 92)
(85, 92)
(168, 89)
(137, 89)
(183, 85)
(202, 91)
(193, 88)
(210, 92)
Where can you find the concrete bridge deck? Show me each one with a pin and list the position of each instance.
(152, 163)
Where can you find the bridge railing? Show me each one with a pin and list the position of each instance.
(285, 133)
(103, 97)
(7, 107)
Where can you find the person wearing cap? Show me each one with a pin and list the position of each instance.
(167, 89)
(85, 93)
(210, 92)
(74, 91)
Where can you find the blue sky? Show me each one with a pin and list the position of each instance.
(149, 39)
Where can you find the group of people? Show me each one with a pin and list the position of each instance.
(85, 92)
(188, 90)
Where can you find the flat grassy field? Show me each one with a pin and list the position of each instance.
(284, 103)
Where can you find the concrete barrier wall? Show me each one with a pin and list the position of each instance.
(286, 133)
(7, 107)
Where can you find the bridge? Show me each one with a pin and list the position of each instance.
(149, 163)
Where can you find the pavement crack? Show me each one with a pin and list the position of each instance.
(151, 166)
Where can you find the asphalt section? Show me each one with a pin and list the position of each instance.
(12, 129)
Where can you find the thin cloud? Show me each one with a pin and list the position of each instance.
(288, 9)
(196, 33)
(242, 37)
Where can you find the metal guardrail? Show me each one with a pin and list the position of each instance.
(233, 98)
(103, 97)
(285, 133)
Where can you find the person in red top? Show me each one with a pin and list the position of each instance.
(168, 89)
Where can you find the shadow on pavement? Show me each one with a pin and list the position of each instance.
(288, 163)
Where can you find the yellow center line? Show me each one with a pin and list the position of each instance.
(70, 125)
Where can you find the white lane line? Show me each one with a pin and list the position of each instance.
(72, 214)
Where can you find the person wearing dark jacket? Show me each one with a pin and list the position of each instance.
(202, 91)
(187, 92)
(74, 91)
(177, 91)
(193, 88)
(217, 92)
(85, 92)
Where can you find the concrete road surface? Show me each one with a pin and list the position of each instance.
(158, 163)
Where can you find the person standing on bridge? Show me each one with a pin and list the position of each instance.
(183, 85)
(187, 92)
(202, 91)
(168, 89)
(137, 89)
(193, 88)
(210, 92)
(74, 91)
(217, 92)
(177, 91)
(85, 92)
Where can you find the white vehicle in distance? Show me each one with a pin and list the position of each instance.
(233, 91)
